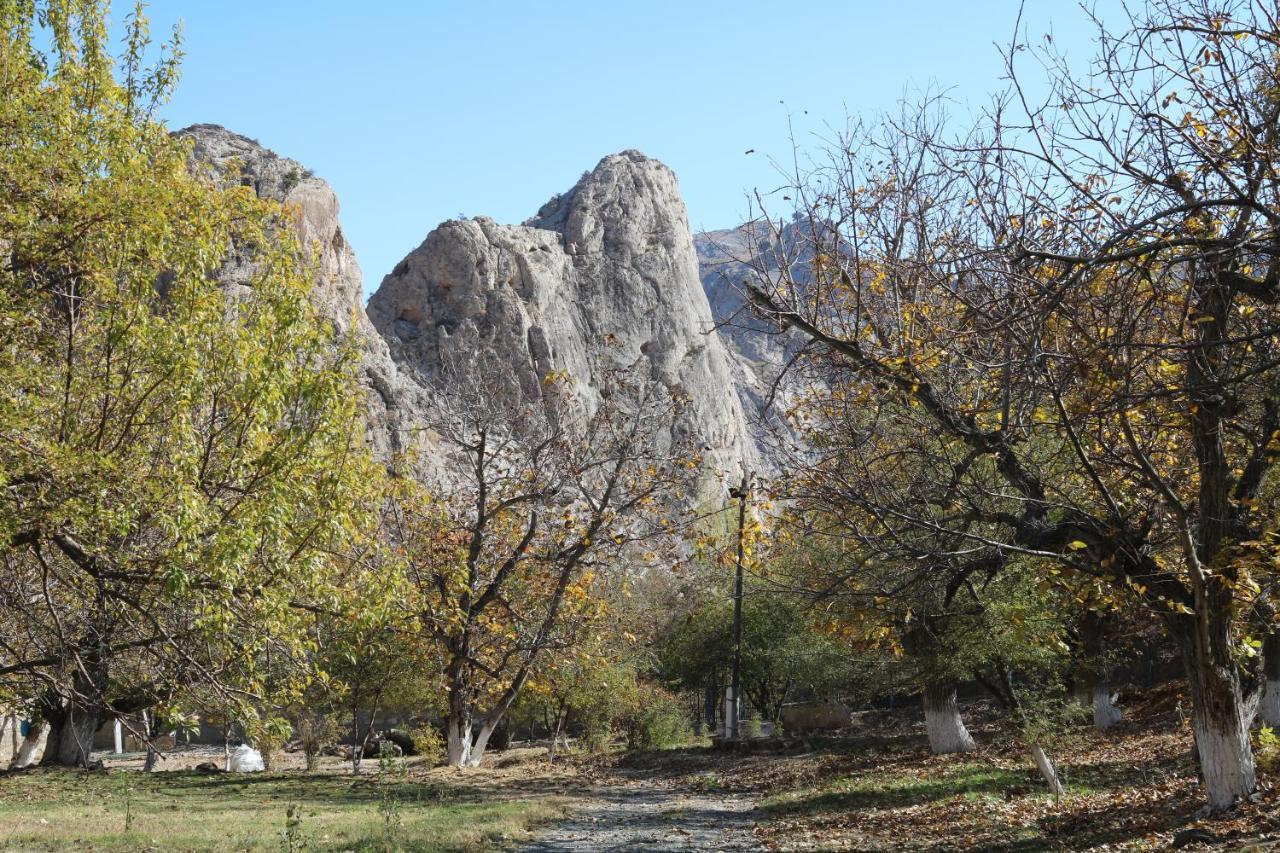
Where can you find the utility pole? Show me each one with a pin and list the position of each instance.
(733, 702)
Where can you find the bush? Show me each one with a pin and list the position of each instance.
(315, 730)
(1266, 753)
(429, 743)
(657, 721)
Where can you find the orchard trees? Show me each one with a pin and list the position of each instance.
(1072, 309)
(174, 461)
(539, 495)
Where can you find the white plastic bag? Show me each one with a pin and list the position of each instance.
(246, 759)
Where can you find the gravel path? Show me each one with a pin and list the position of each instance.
(641, 815)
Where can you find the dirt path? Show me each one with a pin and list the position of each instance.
(630, 813)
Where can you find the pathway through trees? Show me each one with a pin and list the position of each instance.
(627, 812)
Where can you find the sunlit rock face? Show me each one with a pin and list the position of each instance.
(605, 274)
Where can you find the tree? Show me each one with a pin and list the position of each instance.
(783, 656)
(537, 497)
(1079, 298)
(175, 460)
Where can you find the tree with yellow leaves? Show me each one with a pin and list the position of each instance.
(175, 462)
(1073, 308)
(537, 498)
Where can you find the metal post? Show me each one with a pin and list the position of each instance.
(742, 492)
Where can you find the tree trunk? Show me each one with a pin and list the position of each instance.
(459, 737)
(555, 733)
(1269, 706)
(1221, 731)
(1047, 771)
(947, 732)
(32, 746)
(1095, 670)
(481, 742)
(150, 763)
(1105, 713)
(70, 739)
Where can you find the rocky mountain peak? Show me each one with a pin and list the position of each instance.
(229, 159)
(605, 273)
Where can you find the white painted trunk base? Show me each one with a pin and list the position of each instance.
(1047, 771)
(1269, 706)
(1226, 760)
(32, 748)
(947, 732)
(459, 744)
(1105, 713)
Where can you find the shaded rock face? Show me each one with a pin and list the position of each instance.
(230, 158)
(605, 274)
(727, 260)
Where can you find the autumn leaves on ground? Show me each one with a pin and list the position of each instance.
(875, 787)
(1012, 455)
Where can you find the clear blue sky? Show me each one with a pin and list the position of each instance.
(419, 111)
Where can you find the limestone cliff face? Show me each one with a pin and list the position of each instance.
(727, 260)
(230, 158)
(604, 274)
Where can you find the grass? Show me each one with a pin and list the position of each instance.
(61, 810)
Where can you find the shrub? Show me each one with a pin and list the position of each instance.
(428, 742)
(1266, 753)
(315, 731)
(657, 721)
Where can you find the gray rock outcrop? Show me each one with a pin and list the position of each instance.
(604, 274)
(230, 158)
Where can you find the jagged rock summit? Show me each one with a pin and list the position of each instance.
(603, 274)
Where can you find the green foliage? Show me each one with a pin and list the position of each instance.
(656, 720)
(391, 776)
(294, 838)
(1266, 752)
(429, 742)
(177, 459)
(782, 653)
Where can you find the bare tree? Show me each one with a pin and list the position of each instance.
(535, 497)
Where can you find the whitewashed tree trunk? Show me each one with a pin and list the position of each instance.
(947, 732)
(32, 747)
(1221, 721)
(1269, 704)
(1047, 770)
(1226, 760)
(1105, 713)
(480, 743)
(459, 736)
